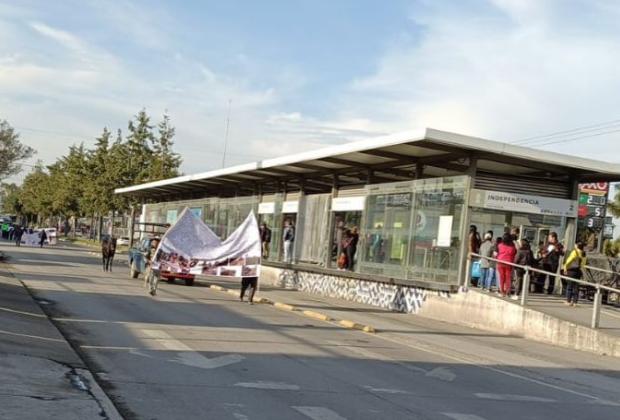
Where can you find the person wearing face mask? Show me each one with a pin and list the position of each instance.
(573, 267)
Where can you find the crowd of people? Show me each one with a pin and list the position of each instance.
(493, 272)
(15, 232)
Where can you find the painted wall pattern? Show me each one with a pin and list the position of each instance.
(388, 296)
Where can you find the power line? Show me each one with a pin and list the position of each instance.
(580, 137)
(578, 130)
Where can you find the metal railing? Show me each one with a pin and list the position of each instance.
(525, 287)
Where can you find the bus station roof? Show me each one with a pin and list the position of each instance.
(391, 158)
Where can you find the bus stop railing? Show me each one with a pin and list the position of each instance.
(596, 310)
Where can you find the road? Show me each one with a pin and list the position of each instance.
(192, 352)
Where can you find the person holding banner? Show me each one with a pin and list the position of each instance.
(151, 277)
(248, 282)
(42, 238)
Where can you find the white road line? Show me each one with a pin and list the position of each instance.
(187, 356)
(279, 386)
(442, 373)
(386, 390)
(319, 413)
(461, 416)
(513, 397)
(471, 362)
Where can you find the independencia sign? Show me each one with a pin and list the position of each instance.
(522, 203)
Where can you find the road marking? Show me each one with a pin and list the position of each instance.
(461, 416)
(187, 356)
(319, 413)
(513, 397)
(55, 340)
(280, 386)
(386, 390)
(471, 362)
(23, 313)
(442, 373)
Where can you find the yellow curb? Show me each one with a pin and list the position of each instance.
(262, 300)
(284, 306)
(355, 326)
(316, 315)
(216, 287)
(232, 292)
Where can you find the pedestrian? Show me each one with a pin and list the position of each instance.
(151, 277)
(474, 240)
(486, 252)
(506, 253)
(351, 247)
(288, 238)
(42, 238)
(17, 235)
(265, 239)
(248, 282)
(552, 253)
(573, 267)
(524, 257)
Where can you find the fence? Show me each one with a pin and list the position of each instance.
(596, 310)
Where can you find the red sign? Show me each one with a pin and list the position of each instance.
(583, 211)
(595, 188)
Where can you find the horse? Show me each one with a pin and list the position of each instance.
(108, 249)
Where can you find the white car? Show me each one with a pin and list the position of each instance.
(123, 240)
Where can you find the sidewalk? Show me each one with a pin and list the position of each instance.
(41, 375)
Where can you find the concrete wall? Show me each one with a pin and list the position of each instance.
(387, 296)
(478, 310)
(467, 308)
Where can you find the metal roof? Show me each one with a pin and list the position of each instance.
(384, 159)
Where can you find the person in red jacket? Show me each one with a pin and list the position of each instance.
(506, 252)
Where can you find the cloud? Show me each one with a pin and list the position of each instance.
(507, 70)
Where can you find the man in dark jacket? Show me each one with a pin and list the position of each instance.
(525, 257)
(265, 239)
(552, 252)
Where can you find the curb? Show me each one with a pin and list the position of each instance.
(310, 314)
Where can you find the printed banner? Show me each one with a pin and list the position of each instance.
(31, 239)
(190, 247)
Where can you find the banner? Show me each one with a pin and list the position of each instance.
(190, 247)
(31, 239)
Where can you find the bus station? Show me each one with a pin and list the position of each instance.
(412, 197)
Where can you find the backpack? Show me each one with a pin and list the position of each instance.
(342, 260)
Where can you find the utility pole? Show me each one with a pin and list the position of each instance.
(226, 135)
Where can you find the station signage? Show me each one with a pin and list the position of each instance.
(523, 203)
(289, 207)
(348, 203)
(593, 204)
(266, 208)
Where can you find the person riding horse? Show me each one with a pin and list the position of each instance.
(108, 249)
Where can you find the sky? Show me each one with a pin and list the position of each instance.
(296, 75)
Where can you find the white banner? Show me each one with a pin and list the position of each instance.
(522, 203)
(190, 247)
(31, 239)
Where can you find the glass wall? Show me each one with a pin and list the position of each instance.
(313, 232)
(412, 229)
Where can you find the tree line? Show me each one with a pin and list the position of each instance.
(82, 182)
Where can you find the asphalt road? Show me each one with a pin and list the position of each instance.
(191, 352)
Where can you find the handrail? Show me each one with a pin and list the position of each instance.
(596, 311)
(549, 273)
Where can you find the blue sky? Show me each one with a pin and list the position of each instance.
(304, 74)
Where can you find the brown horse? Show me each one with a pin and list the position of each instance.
(108, 249)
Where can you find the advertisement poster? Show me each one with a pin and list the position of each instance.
(190, 247)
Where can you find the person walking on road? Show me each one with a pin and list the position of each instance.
(573, 267)
(42, 238)
(17, 235)
(151, 277)
(506, 253)
(252, 284)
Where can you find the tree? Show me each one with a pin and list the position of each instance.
(165, 162)
(12, 151)
(36, 194)
(10, 197)
(138, 144)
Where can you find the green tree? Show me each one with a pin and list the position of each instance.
(10, 197)
(138, 147)
(165, 162)
(36, 194)
(12, 151)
